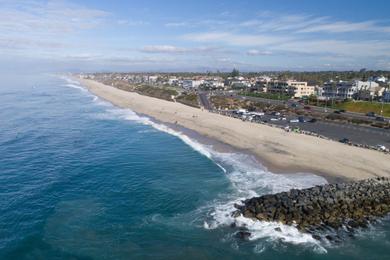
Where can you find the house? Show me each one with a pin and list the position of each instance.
(379, 79)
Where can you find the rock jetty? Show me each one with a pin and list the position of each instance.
(351, 205)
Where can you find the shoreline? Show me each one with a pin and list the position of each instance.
(275, 149)
(227, 148)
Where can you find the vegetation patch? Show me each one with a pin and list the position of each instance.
(266, 95)
(365, 107)
(189, 99)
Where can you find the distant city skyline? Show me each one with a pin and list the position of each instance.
(194, 36)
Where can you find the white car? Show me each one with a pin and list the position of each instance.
(294, 121)
(284, 119)
(381, 147)
(274, 119)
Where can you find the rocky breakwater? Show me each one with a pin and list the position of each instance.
(349, 205)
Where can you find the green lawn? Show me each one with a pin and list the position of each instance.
(365, 107)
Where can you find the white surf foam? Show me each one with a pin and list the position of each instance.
(76, 86)
(70, 83)
(69, 80)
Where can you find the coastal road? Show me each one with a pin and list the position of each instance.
(204, 101)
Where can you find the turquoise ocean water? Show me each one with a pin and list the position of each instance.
(82, 179)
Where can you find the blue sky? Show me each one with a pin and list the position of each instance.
(194, 35)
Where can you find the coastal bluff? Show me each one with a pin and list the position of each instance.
(349, 205)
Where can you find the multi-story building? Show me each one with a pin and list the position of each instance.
(278, 86)
(300, 89)
(347, 89)
(293, 88)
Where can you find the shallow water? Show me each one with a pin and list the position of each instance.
(83, 179)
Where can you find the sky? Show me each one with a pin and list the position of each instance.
(91, 35)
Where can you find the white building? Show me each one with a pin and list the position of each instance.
(300, 89)
(348, 89)
(173, 81)
(379, 79)
(213, 83)
(294, 88)
(192, 84)
(152, 79)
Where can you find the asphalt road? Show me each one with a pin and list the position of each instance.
(204, 101)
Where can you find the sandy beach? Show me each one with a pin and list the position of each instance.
(280, 151)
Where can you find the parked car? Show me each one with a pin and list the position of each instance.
(380, 118)
(371, 114)
(294, 121)
(381, 147)
(274, 119)
(307, 107)
(313, 120)
(342, 110)
(345, 141)
(301, 119)
(337, 112)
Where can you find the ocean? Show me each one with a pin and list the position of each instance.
(82, 179)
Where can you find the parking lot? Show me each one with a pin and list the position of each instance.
(355, 133)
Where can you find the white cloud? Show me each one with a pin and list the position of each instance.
(342, 27)
(366, 48)
(176, 24)
(163, 49)
(47, 18)
(254, 52)
(303, 23)
(235, 39)
(132, 23)
(170, 49)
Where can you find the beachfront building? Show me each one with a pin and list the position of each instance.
(371, 93)
(278, 86)
(300, 89)
(348, 89)
(293, 88)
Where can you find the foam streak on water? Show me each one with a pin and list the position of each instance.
(248, 179)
